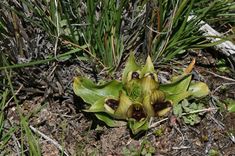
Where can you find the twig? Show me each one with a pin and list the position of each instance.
(199, 111)
(157, 123)
(231, 136)
(221, 125)
(181, 147)
(179, 131)
(224, 84)
(223, 77)
(49, 139)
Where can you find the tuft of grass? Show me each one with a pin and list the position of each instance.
(4, 135)
(168, 26)
(28, 139)
(65, 21)
(104, 30)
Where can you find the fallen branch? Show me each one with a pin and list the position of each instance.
(227, 47)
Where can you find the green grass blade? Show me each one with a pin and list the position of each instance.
(6, 137)
(33, 63)
(33, 144)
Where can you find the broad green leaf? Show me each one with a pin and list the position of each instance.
(178, 86)
(119, 113)
(198, 89)
(98, 106)
(149, 83)
(125, 103)
(131, 66)
(137, 126)
(108, 120)
(176, 98)
(148, 67)
(148, 106)
(91, 92)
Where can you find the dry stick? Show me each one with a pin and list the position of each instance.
(181, 147)
(157, 123)
(199, 111)
(49, 139)
(223, 77)
(224, 84)
(231, 136)
(220, 124)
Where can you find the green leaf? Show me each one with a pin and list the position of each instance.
(198, 89)
(125, 103)
(213, 152)
(186, 106)
(176, 98)
(137, 126)
(91, 92)
(178, 86)
(98, 106)
(108, 120)
(195, 106)
(119, 113)
(191, 119)
(7, 136)
(131, 66)
(148, 67)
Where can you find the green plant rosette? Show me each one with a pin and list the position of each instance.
(138, 97)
